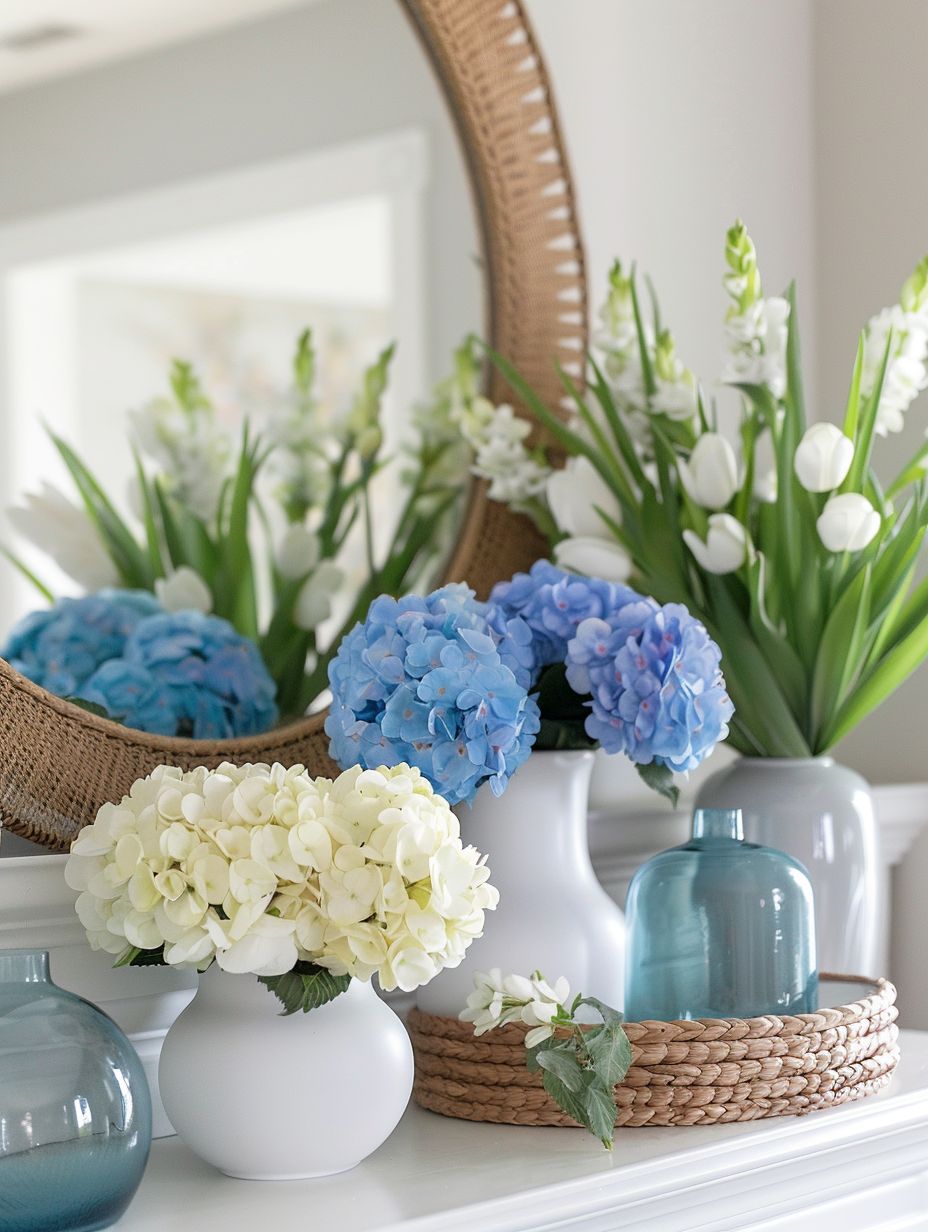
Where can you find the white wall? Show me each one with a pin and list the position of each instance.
(679, 117)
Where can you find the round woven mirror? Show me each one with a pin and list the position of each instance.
(58, 763)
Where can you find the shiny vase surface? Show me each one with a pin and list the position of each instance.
(720, 928)
(75, 1110)
(553, 914)
(822, 814)
(263, 1096)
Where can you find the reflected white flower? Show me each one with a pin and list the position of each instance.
(298, 551)
(184, 591)
(314, 602)
(63, 531)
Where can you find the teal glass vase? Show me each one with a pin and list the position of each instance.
(75, 1109)
(720, 928)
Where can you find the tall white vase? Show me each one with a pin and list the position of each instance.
(553, 914)
(266, 1097)
(821, 813)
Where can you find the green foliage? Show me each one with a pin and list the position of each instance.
(305, 988)
(582, 1065)
(812, 641)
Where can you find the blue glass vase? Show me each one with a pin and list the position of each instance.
(720, 928)
(75, 1110)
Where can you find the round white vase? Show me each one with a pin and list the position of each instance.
(266, 1097)
(553, 914)
(821, 813)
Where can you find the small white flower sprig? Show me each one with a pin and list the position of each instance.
(305, 883)
(580, 1065)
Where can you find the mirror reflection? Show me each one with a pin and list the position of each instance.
(228, 313)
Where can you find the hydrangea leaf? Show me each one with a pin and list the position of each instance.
(306, 987)
(610, 1053)
(659, 779)
(563, 1062)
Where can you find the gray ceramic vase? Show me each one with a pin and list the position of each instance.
(821, 814)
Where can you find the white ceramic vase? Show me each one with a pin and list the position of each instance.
(553, 914)
(266, 1097)
(821, 813)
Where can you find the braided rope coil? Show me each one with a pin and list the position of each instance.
(682, 1073)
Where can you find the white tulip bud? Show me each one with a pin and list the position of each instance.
(765, 469)
(823, 458)
(597, 558)
(711, 475)
(574, 494)
(314, 602)
(298, 551)
(726, 547)
(848, 523)
(184, 591)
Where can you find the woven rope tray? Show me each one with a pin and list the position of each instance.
(682, 1073)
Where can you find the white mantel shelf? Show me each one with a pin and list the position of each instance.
(861, 1167)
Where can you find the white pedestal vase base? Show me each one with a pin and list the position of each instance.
(553, 914)
(266, 1097)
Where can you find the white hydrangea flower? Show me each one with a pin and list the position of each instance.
(257, 867)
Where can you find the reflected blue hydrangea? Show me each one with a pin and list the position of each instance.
(62, 646)
(178, 673)
(431, 682)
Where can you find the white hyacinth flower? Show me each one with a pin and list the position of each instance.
(711, 475)
(575, 492)
(497, 436)
(848, 523)
(726, 547)
(63, 531)
(823, 458)
(757, 342)
(184, 591)
(906, 369)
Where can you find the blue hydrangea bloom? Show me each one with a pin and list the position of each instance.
(432, 682)
(654, 676)
(552, 604)
(172, 674)
(217, 681)
(61, 647)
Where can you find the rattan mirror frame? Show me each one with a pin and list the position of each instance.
(58, 764)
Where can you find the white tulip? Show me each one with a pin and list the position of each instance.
(314, 602)
(726, 547)
(595, 557)
(298, 551)
(711, 475)
(63, 531)
(765, 469)
(848, 523)
(823, 458)
(184, 591)
(575, 492)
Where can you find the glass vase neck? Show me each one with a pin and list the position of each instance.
(718, 824)
(24, 967)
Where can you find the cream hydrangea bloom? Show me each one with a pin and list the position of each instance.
(259, 867)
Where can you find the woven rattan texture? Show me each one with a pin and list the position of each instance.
(58, 764)
(682, 1073)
